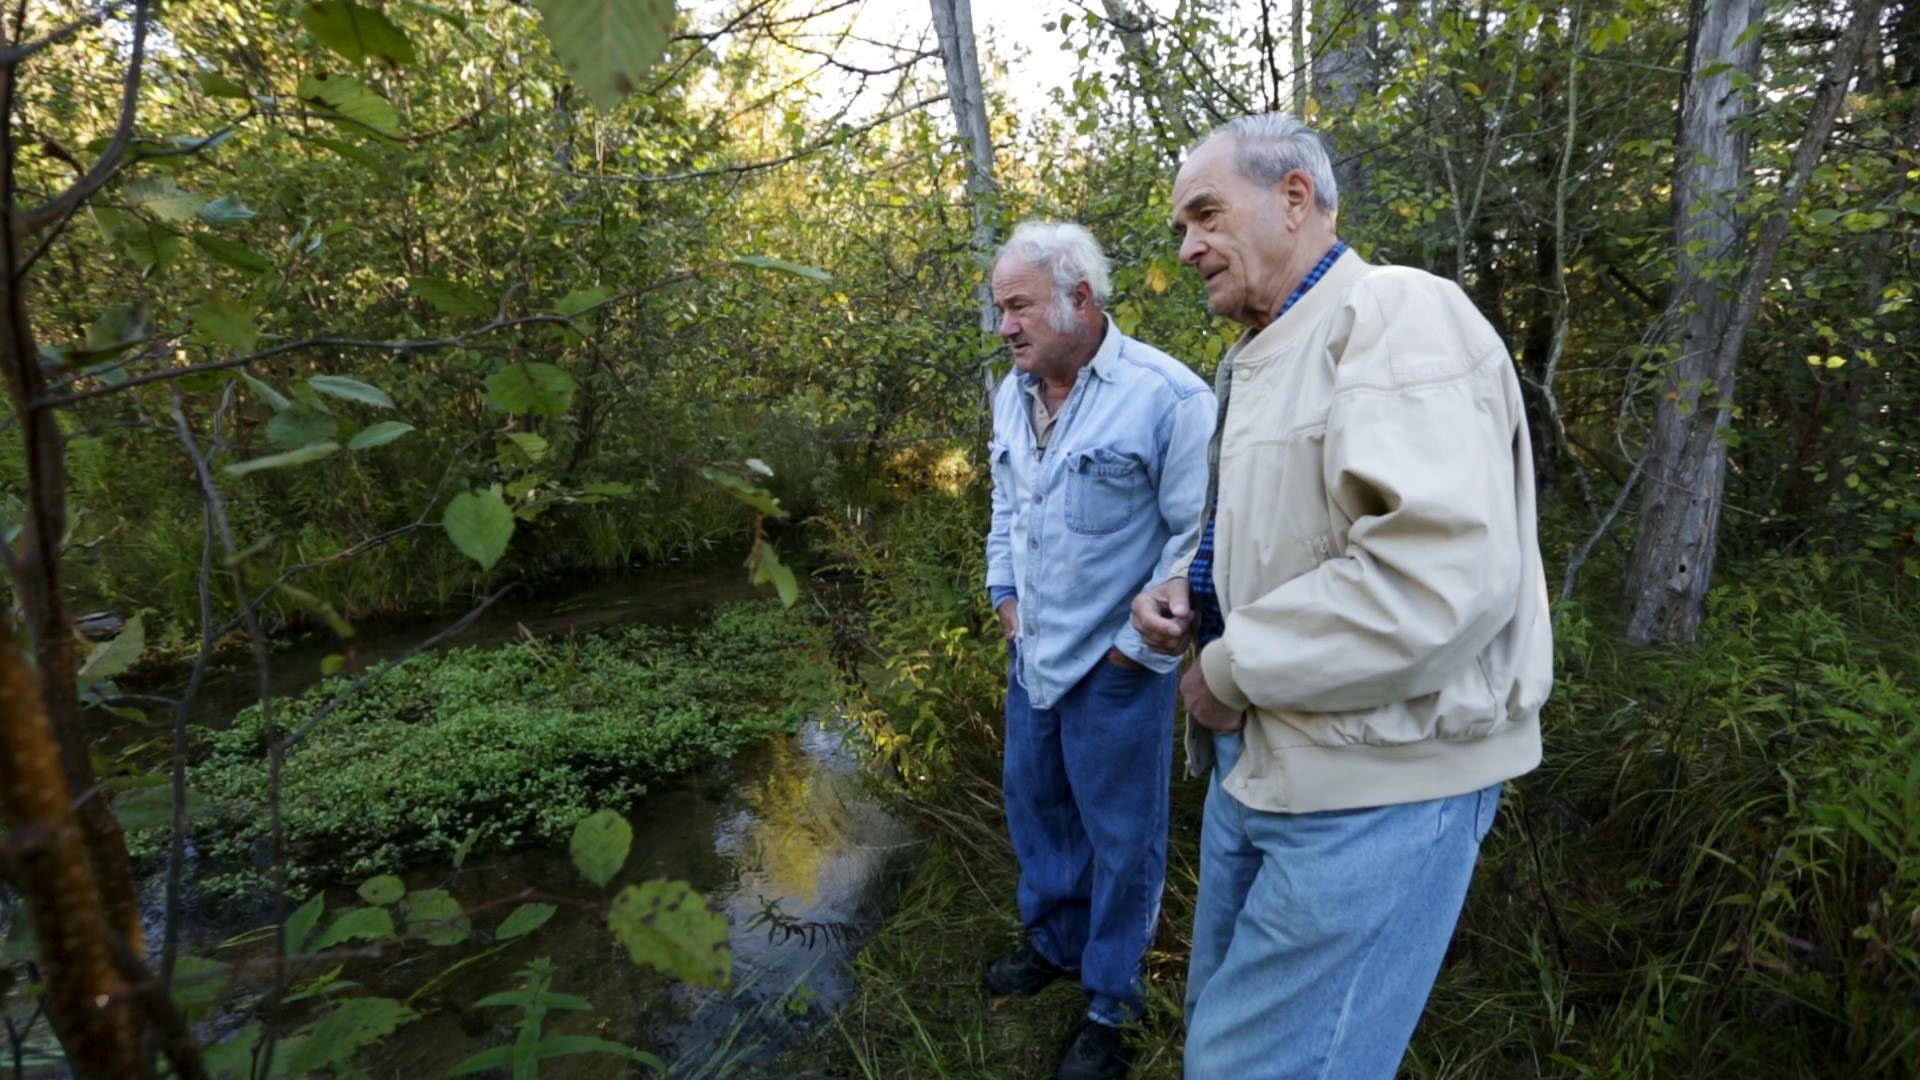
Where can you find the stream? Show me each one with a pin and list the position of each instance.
(788, 829)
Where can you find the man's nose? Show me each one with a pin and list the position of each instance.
(1190, 248)
(1009, 326)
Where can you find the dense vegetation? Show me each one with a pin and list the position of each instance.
(350, 281)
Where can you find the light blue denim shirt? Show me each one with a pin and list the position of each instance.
(1106, 510)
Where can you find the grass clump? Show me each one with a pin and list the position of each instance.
(511, 745)
(1715, 872)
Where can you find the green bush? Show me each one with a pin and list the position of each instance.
(512, 745)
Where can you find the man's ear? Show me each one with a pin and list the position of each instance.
(1082, 296)
(1296, 194)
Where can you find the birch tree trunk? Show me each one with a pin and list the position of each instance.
(953, 22)
(1686, 469)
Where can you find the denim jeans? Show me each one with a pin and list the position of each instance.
(1317, 937)
(1086, 786)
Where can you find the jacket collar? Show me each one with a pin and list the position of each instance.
(1261, 345)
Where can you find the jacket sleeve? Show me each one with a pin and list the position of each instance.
(1183, 437)
(999, 538)
(1419, 457)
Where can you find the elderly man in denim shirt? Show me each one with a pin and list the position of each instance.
(1099, 480)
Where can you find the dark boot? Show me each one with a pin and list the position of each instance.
(1097, 1052)
(1023, 971)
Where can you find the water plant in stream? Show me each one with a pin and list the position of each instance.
(498, 748)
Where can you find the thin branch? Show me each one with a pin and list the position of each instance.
(454, 341)
(15, 55)
(33, 221)
(283, 745)
(734, 170)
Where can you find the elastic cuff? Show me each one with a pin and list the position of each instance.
(1217, 670)
(1000, 594)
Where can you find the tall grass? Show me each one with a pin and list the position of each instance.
(1716, 872)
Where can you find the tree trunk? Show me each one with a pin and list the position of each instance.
(1346, 38)
(953, 21)
(1673, 553)
(1162, 100)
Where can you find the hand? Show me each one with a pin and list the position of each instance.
(1206, 709)
(1122, 660)
(1163, 615)
(1009, 612)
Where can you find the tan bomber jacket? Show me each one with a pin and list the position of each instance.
(1376, 552)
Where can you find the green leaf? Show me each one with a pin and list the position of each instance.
(580, 300)
(608, 488)
(197, 983)
(499, 1057)
(227, 210)
(356, 924)
(239, 256)
(111, 658)
(745, 490)
(356, 106)
(332, 664)
(438, 909)
(214, 84)
(667, 926)
(162, 197)
(300, 424)
(562, 1045)
(301, 923)
(382, 890)
(357, 32)
(480, 525)
(768, 569)
(525, 920)
(268, 394)
(115, 330)
(357, 1022)
(450, 296)
(765, 262)
(358, 154)
(600, 845)
(150, 806)
(310, 452)
(379, 434)
(152, 246)
(219, 320)
(451, 18)
(606, 45)
(530, 448)
(531, 388)
(534, 997)
(351, 390)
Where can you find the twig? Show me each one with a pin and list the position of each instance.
(33, 221)
(772, 163)
(283, 745)
(404, 346)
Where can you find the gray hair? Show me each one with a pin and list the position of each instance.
(1268, 146)
(1070, 255)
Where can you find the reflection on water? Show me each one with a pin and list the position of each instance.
(788, 829)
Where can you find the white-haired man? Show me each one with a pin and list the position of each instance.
(1099, 457)
(1371, 615)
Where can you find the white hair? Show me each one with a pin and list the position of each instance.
(1070, 255)
(1268, 146)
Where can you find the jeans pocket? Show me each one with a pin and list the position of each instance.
(1105, 489)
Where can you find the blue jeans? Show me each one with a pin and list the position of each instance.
(1086, 786)
(1317, 937)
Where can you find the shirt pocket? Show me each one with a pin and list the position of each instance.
(1105, 489)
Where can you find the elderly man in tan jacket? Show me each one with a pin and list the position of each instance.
(1371, 616)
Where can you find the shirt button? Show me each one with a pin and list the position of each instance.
(1034, 543)
(1036, 496)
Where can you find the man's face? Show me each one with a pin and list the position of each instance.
(1025, 295)
(1233, 232)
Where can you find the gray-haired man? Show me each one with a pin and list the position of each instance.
(1099, 476)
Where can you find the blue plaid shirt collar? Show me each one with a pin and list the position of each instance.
(1209, 622)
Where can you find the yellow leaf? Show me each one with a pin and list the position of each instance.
(1836, 361)
(1157, 278)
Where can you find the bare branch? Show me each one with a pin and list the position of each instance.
(402, 346)
(15, 55)
(773, 163)
(33, 221)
